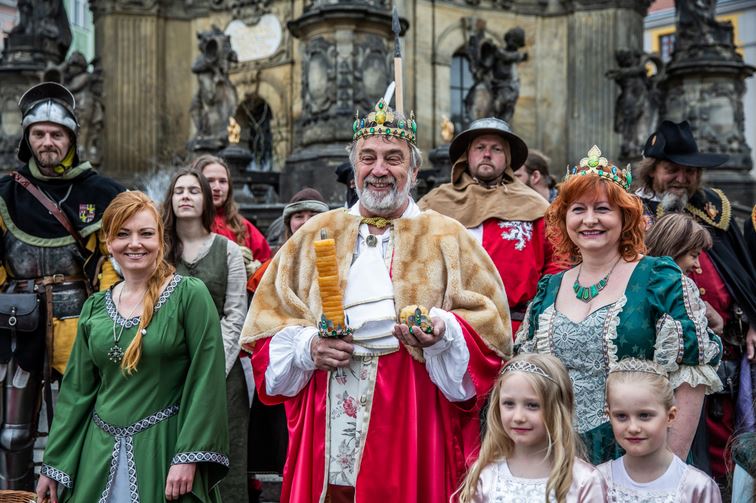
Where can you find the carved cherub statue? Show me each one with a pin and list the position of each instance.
(234, 131)
(447, 129)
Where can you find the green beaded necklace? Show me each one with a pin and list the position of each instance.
(587, 293)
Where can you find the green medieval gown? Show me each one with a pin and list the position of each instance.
(115, 436)
(660, 317)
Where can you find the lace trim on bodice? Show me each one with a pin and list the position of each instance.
(133, 322)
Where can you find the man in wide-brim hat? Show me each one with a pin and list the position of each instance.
(669, 179)
(501, 212)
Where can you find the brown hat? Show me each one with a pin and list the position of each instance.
(307, 199)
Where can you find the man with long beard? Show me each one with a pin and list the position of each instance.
(669, 179)
(389, 411)
(61, 264)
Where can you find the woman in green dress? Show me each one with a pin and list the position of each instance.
(616, 303)
(140, 416)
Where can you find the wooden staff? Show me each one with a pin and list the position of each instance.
(396, 27)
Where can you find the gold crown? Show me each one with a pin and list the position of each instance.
(638, 365)
(595, 164)
(385, 121)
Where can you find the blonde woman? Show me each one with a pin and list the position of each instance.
(141, 413)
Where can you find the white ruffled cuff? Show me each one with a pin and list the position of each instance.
(290, 366)
(699, 375)
(447, 360)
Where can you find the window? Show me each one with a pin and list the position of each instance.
(460, 83)
(254, 116)
(79, 13)
(666, 46)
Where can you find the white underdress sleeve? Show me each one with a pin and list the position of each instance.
(447, 360)
(291, 365)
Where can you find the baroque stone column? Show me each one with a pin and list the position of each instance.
(705, 84)
(145, 47)
(597, 29)
(346, 66)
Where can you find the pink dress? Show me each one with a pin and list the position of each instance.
(498, 485)
(681, 483)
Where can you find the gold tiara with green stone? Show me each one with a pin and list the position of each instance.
(595, 164)
(386, 122)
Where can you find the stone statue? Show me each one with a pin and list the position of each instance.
(447, 129)
(637, 106)
(87, 88)
(42, 34)
(699, 34)
(234, 131)
(216, 98)
(494, 68)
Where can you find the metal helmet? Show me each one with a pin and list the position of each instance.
(46, 102)
(490, 125)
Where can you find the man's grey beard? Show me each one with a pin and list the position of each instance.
(672, 202)
(383, 205)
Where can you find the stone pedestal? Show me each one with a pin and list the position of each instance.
(709, 95)
(705, 85)
(345, 68)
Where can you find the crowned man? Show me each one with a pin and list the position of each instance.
(389, 411)
(59, 263)
(500, 211)
(669, 179)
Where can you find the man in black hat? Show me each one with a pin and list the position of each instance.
(51, 247)
(669, 179)
(504, 214)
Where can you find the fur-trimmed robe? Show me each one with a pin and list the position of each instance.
(418, 443)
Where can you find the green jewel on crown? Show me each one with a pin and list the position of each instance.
(326, 329)
(594, 163)
(384, 121)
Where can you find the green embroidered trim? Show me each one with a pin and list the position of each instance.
(68, 175)
(42, 242)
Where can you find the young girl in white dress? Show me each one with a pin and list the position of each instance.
(641, 409)
(529, 449)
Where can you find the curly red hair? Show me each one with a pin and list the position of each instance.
(631, 244)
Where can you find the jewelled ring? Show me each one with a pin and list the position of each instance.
(420, 321)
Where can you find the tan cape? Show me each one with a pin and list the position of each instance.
(436, 263)
(470, 203)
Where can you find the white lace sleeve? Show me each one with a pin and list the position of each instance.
(670, 344)
(447, 360)
(291, 364)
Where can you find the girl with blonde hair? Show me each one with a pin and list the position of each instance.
(141, 415)
(529, 451)
(642, 409)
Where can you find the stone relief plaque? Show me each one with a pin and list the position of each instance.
(258, 41)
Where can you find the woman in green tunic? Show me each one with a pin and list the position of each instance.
(617, 303)
(188, 215)
(140, 416)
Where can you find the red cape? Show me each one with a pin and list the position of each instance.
(418, 443)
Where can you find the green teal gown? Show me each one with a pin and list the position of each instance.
(660, 317)
(115, 436)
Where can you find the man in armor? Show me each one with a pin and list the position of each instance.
(50, 245)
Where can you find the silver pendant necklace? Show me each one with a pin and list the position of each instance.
(115, 354)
